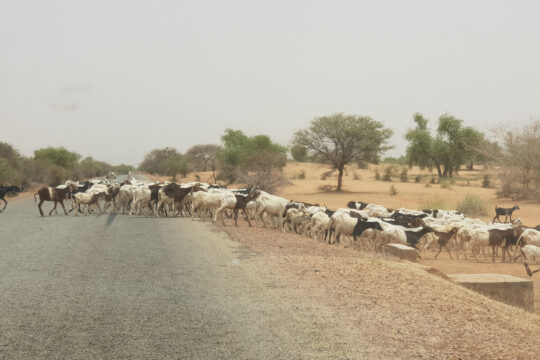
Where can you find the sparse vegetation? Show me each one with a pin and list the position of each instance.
(403, 177)
(472, 205)
(446, 184)
(326, 174)
(433, 203)
(327, 188)
(389, 172)
(393, 190)
(486, 182)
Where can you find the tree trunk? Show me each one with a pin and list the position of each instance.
(470, 167)
(339, 179)
(439, 172)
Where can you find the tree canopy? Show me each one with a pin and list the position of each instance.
(341, 139)
(452, 145)
(204, 156)
(59, 156)
(253, 160)
(167, 161)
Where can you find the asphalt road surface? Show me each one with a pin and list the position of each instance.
(102, 287)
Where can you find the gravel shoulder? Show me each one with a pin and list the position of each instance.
(401, 311)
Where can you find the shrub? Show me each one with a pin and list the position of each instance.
(433, 181)
(486, 182)
(403, 177)
(445, 184)
(299, 153)
(197, 177)
(389, 172)
(428, 184)
(417, 178)
(433, 203)
(326, 174)
(327, 188)
(356, 176)
(472, 205)
(377, 175)
(393, 191)
(302, 175)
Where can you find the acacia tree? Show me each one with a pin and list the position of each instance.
(452, 146)
(520, 159)
(205, 155)
(341, 139)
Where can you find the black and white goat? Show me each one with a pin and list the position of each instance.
(504, 211)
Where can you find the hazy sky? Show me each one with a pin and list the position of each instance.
(115, 79)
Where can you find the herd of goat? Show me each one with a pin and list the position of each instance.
(370, 226)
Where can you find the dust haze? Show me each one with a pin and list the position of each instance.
(116, 79)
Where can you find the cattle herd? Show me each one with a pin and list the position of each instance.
(369, 226)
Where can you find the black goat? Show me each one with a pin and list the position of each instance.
(7, 189)
(504, 211)
(414, 236)
(362, 225)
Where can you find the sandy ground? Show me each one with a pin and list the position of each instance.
(402, 310)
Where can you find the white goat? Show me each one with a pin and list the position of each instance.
(141, 200)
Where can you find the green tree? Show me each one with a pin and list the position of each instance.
(299, 153)
(452, 146)
(58, 156)
(167, 161)
(341, 139)
(255, 160)
(175, 165)
(11, 165)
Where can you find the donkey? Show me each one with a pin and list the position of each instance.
(7, 189)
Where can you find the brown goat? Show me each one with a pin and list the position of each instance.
(56, 195)
(503, 239)
(444, 238)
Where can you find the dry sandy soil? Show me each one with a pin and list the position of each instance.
(400, 310)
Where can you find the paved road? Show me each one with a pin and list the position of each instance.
(141, 288)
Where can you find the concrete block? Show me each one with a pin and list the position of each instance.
(509, 289)
(404, 252)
